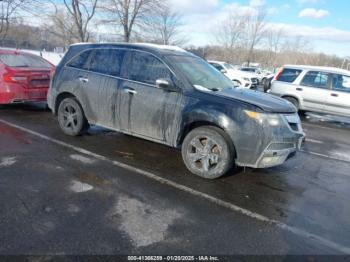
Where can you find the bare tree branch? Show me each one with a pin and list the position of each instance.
(163, 26)
(128, 14)
(82, 12)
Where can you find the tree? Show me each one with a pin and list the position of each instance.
(8, 13)
(229, 32)
(241, 32)
(128, 14)
(62, 27)
(163, 26)
(254, 31)
(82, 12)
(273, 39)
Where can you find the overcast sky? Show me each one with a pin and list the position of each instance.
(326, 23)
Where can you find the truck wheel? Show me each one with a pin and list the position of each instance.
(207, 153)
(293, 101)
(71, 117)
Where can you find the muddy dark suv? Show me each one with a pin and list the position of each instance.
(167, 95)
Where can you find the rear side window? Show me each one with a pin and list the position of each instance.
(81, 61)
(145, 68)
(289, 75)
(21, 60)
(107, 61)
(315, 79)
(341, 83)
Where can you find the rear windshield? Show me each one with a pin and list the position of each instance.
(289, 75)
(21, 60)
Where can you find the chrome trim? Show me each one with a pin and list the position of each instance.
(115, 77)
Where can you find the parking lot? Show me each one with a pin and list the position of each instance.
(108, 193)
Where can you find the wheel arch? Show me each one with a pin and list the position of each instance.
(224, 125)
(60, 98)
(298, 99)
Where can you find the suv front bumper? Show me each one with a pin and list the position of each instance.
(274, 155)
(279, 144)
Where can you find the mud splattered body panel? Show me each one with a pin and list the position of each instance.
(121, 101)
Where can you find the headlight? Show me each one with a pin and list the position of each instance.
(270, 119)
(246, 79)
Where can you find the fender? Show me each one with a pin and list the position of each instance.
(204, 114)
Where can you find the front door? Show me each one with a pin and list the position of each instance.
(149, 111)
(338, 101)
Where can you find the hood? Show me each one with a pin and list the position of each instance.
(267, 102)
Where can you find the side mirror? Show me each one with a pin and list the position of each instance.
(165, 85)
(223, 71)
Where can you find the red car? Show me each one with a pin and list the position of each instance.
(23, 77)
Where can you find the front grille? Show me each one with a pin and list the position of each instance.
(254, 81)
(280, 146)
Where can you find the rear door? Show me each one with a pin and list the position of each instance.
(101, 84)
(314, 88)
(338, 101)
(75, 79)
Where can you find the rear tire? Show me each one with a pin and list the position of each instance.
(207, 152)
(293, 101)
(71, 117)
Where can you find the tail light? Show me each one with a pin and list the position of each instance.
(10, 78)
(278, 74)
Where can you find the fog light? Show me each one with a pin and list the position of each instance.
(270, 161)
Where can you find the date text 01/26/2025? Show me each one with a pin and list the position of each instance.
(173, 258)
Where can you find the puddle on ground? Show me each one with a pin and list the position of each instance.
(83, 159)
(79, 187)
(340, 121)
(7, 161)
(91, 178)
(145, 224)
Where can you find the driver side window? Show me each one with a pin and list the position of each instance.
(341, 83)
(145, 68)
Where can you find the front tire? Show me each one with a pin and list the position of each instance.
(71, 117)
(207, 152)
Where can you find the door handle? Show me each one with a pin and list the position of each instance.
(83, 79)
(335, 95)
(130, 91)
(299, 89)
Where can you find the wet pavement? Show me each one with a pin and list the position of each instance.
(57, 198)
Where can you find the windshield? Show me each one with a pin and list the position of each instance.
(229, 66)
(201, 74)
(21, 60)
